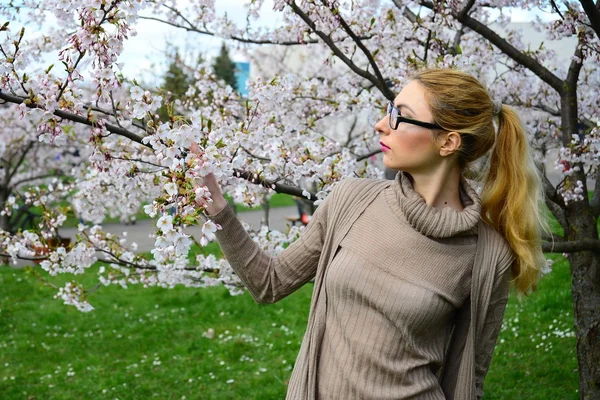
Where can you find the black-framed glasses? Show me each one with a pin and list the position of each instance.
(396, 118)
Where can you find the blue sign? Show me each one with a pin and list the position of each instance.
(242, 73)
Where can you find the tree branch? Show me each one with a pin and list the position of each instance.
(593, 12)
(554, 201)
(457, 39)
(379, 84)
(571, 247)
(21, 159)
(365, 156)
(24, 258)
(575, 67)
(33, 178)
(76, 118)
(465, 11)
(359, 43)
(532, 64)
(278, 187)
(408, 14)
(555, 7)
(192, 28)
(595, 202)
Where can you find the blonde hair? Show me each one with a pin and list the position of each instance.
(512, 189)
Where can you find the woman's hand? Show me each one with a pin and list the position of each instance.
(210, 181)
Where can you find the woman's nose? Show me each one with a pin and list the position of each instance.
(382, 127)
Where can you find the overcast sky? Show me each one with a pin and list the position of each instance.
(144, 55)
(146, 51)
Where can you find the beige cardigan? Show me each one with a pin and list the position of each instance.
(269, 279)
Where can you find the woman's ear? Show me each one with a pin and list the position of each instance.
(450, 143)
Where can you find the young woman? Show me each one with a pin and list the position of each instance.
(411, 275)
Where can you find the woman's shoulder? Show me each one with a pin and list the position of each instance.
(357, 189)
(496, 245)
(361, 184)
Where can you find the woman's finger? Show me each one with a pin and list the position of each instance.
(194, 148)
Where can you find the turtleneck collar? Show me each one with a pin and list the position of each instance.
(431, 221)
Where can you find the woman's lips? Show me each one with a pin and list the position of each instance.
(384, 147)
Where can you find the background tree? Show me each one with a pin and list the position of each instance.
(224, 67)
(176, 83)
(26, 163)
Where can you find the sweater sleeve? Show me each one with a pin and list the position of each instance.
(271, 278)
(493, 322)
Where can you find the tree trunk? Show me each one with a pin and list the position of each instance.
(585, 271)
(585, 266)
(4, 219)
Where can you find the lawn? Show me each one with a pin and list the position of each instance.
(158, 343)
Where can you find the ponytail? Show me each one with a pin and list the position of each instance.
(511, 197)
(512, 186)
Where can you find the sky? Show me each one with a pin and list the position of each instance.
(145, 53)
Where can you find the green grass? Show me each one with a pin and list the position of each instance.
(148, 343)
(145, 343)
(535, 357)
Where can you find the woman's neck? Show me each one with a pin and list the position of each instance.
(439, 188)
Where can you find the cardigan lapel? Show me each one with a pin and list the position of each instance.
(458, 381)
(344, 213)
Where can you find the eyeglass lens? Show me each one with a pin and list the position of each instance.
(393, 113)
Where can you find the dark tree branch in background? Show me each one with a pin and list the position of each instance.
(349, 136)
(34, 178)
(557, 211)
(457, 39)
(555, 7)
(554, 201)
(191, 28)
(278, 187)
(552, 238)
(575, 67)
(593, 12)
(24, 258)
(21, 159)
(520, 57)
(595, 202)
(465, 11)
(113, 114)
(408, 14)
(571, 247)
(236, 38)
(551, 192)
(379, 84)
(70, 73)
(76, 118)
(365, 156)
(359, 43)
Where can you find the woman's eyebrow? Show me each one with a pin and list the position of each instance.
(405, 106)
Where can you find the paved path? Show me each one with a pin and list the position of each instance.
(142, 232)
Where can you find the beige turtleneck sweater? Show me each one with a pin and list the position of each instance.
(392, 280)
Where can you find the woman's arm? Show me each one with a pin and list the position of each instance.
(486, 343)
(269, 279)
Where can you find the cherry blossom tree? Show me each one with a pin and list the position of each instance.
(279, 137)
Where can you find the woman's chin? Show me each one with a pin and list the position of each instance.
(390, 163)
